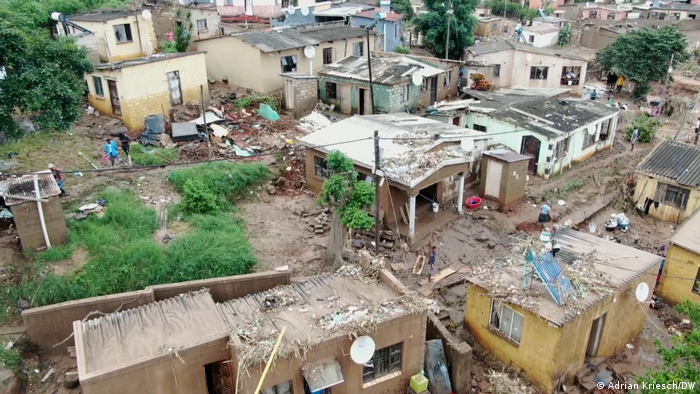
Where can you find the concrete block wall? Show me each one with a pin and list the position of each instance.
(305, 95)
(457, 353)
(51, 324)
(29, 227)
(387, 98)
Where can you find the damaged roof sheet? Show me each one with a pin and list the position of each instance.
(503, 45)
(674, 161)
(688, 235)
(292, 38)
(159, 328)
(100, 16)
(385, 70)
(404, 161)
(24, 187)
(620, 264)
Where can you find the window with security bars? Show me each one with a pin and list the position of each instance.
(672, 195)
(321, 167)
(383, 362)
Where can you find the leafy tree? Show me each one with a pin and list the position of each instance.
(350, 199)
(681, 362)
(183, 33)
(403, 7)
(512, 10)
(647, 128)
(643, 55)
(564, 36)
(433, 26)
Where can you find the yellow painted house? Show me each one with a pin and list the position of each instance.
(549, 336)
(668, 181)
(133, 89)
(682, 264)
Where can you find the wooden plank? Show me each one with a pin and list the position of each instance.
(443, 274)
(398, 266)
(403, 216)
(415, 265)
(420, 270)
(426, 291)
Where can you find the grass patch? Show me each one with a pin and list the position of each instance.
(123, 255)
(11, 359)
(32, 151)
(256, 100)
(147, 156)
(561, 192)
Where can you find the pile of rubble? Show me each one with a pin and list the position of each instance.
(414, 163)
(320, 224)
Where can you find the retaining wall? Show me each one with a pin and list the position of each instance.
(51, 324)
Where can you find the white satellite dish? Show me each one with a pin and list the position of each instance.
(57, 16)
(417, 79)
(591, 130)
(362, 350)
(291, 10)
(528, 58)
(305, 11)
(146, 14)
(309, 52)
(642, 292)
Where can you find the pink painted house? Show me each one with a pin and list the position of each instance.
(603, 13)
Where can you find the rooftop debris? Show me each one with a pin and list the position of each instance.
(502, 383)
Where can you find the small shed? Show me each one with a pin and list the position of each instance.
(300, 92)
(38, 216)
(503, 177)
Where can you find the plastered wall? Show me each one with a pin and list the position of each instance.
(109, 49)
(680, 263)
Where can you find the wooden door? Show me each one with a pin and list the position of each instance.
(493, 178)
(114, 97)
(596, 334)
(175, 91)
(221, 378)
(531, 147)
(345, 99)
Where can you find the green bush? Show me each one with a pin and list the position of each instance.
(197, 198)
(143, 156)
(11, 359)
(403, 50)
(513, 10)
(647, 128)
(225, 180)
(257, 99)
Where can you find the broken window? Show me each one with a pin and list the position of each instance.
(590, 139)
(675, 16)
(570, 75)
(289, 63)
(662, 15)
(654, 15)
(202, 24)
(593, 14)
(405, 93)
(321, 167)
(123, 32)
(497, 70)
(479, 127)
(696, 284)
(611, 15)
(383, 362)
(328, 55)
(538, 72)
(99, 91)
(331, 91)
(507, 321)
(674, 196)
(358, 49)
(282, 388)
(605, 130)
(562, 147)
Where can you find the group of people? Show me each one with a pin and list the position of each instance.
(615, 82)
(112, 149)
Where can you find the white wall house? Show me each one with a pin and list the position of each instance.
(542, 36)
(556, 133)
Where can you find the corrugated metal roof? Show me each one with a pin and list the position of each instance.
(688, 235)
(385, 70)
(144, 60)
(675, 161)
(100, 16)
(503, 45)
(553, 277)
(24, 187)
(506, 155)
(291, 38)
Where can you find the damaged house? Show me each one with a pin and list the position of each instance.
(424, 165)
(346, 84)
(193, 344)
(568, 311)
(556, 133)
(526, 66)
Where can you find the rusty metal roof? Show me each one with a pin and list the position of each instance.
(673, 161)
(688, 235)
(24, 187)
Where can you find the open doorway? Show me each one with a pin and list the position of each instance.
(427, 196)
(362, 101)
(595, 335)
(219, 378)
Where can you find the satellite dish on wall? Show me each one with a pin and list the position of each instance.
(305, 11)
(57, 16)
(642, 292)
(417, 79)
(291, 10)
(362, 350)
(146, 14)
(309, 52)
(528, 58)
(591, 130)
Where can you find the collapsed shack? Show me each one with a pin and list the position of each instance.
(176, 344)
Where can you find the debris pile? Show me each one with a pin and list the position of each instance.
(321, 223)
(502, 383)
(412, 164)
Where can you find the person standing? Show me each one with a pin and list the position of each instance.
(594, 94)
(545, 213)
(634, 138)
(126, 145)
(620, 83)
(432, 260)
(610, 102)
(112, 151)
(56, 172)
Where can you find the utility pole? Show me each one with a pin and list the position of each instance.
(447, 38)
(376, 192)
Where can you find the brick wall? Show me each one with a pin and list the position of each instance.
(305, 95)
(29, 225)
(387, 98)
